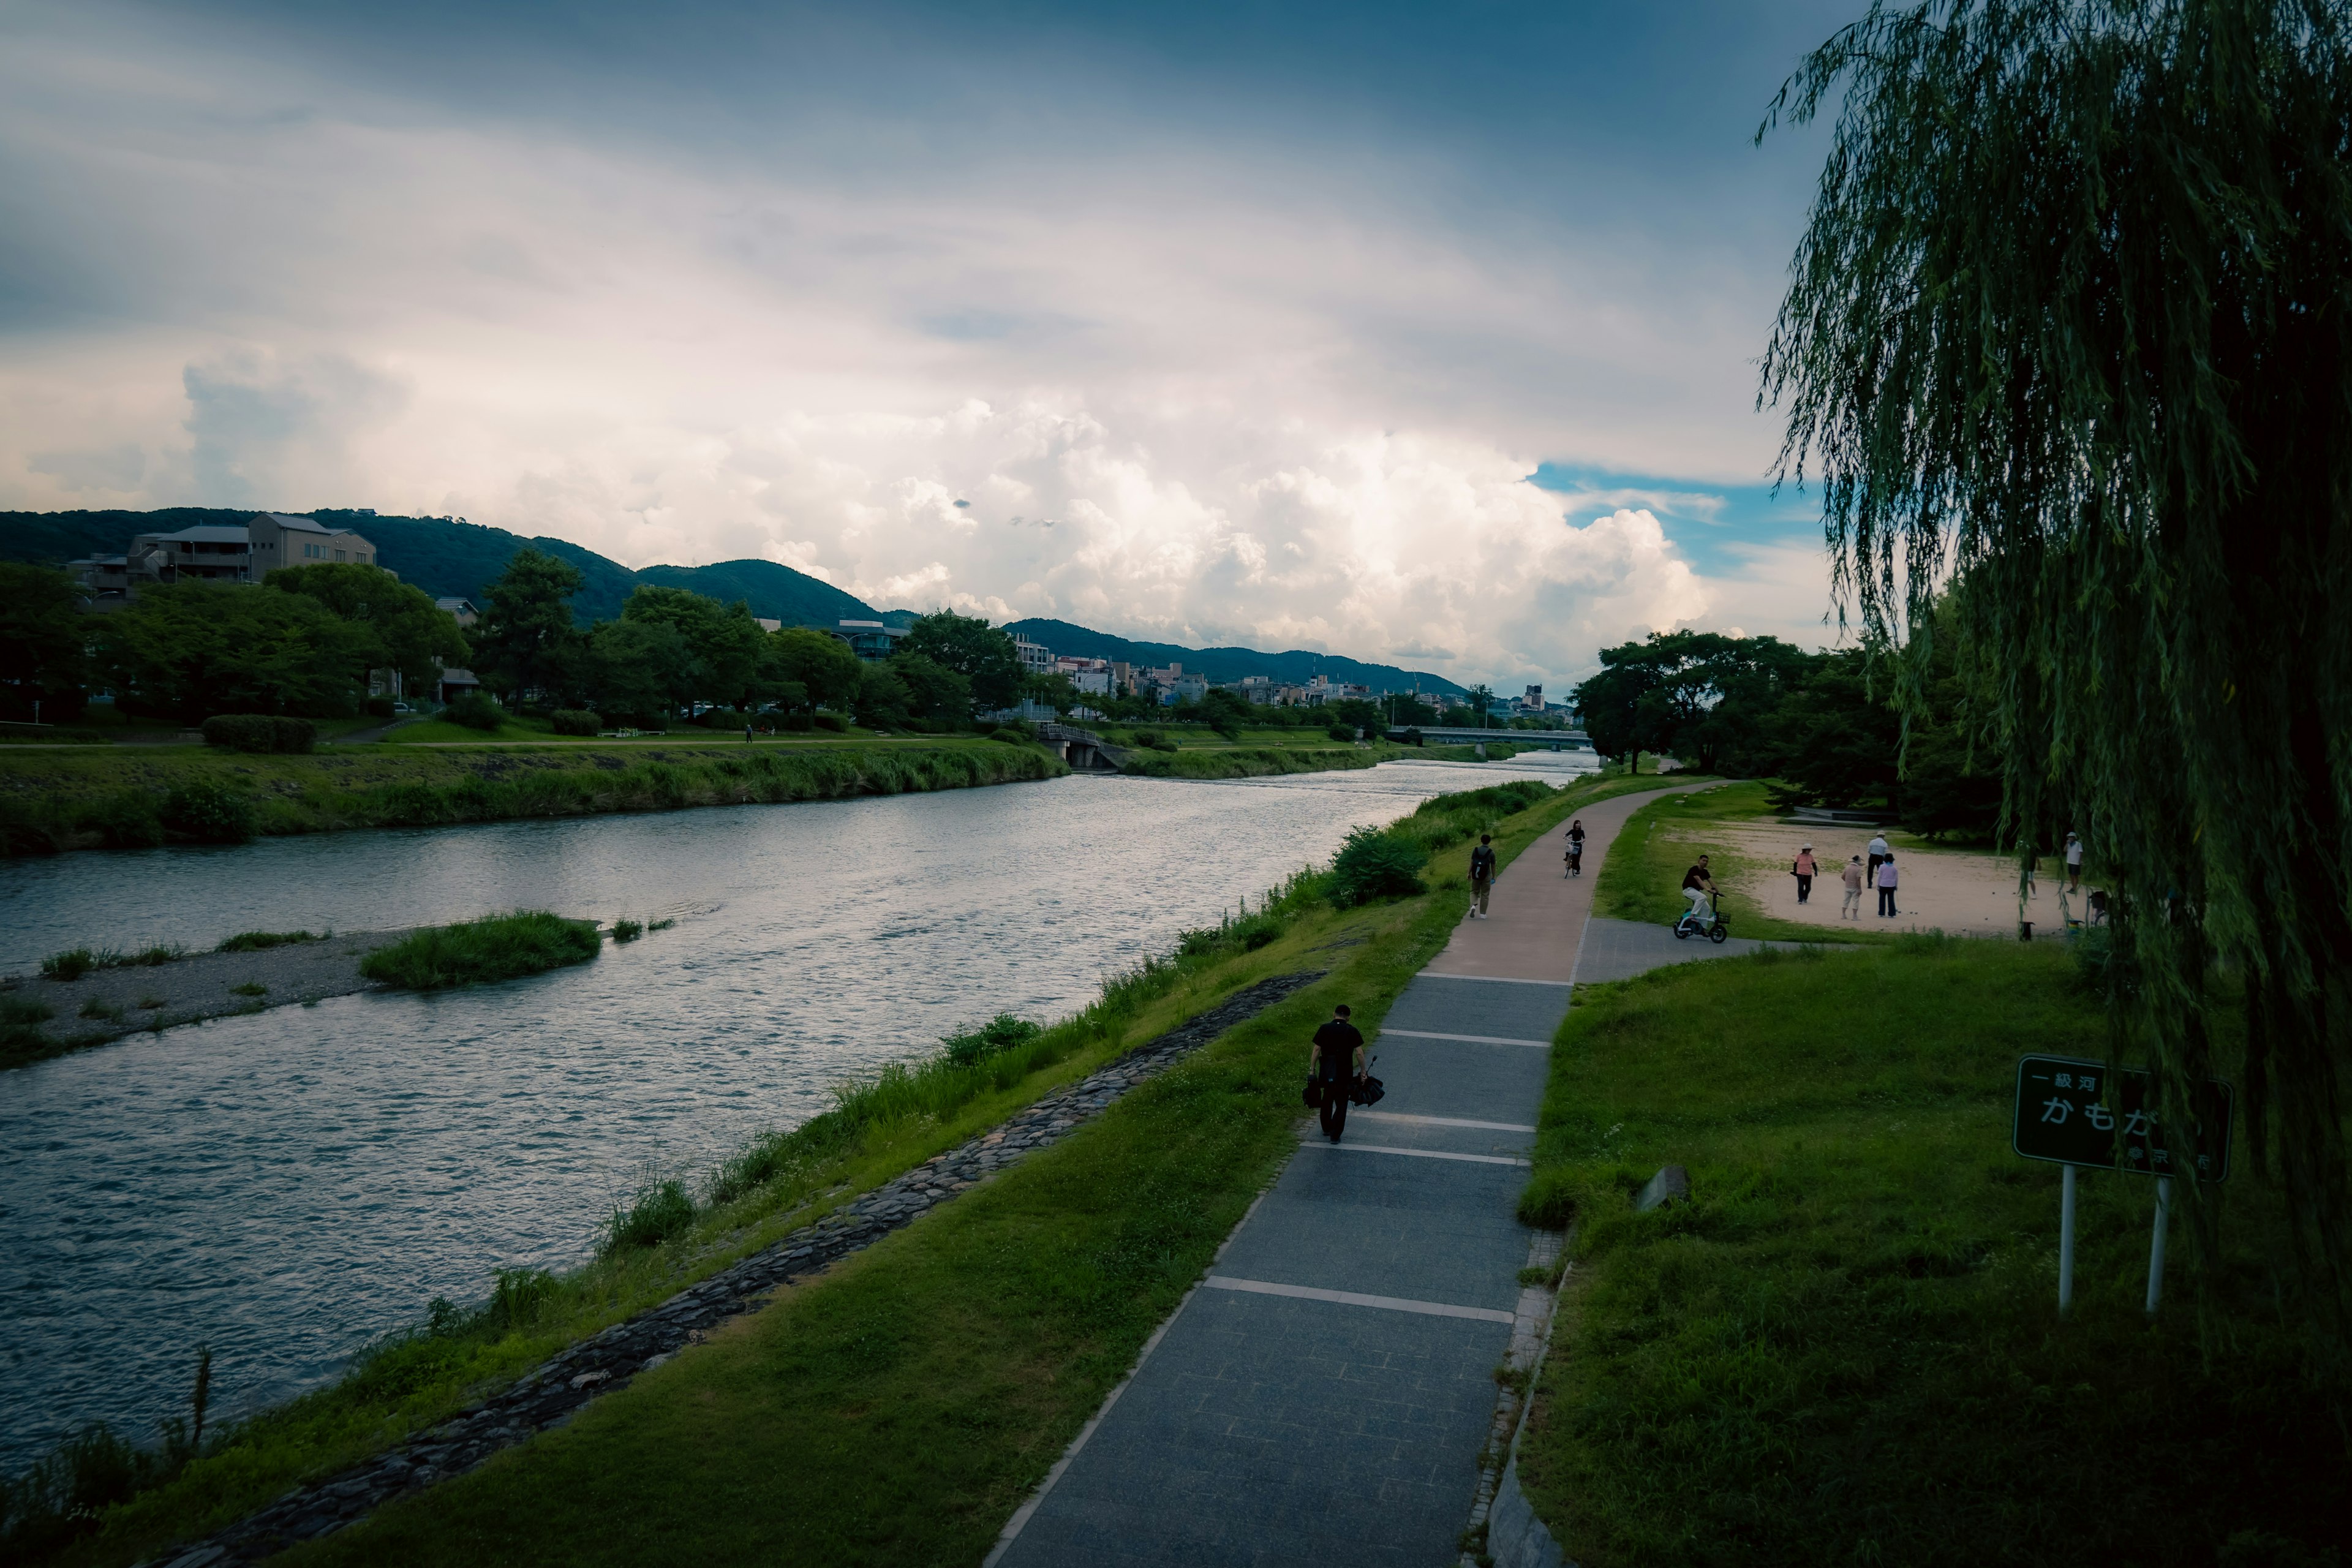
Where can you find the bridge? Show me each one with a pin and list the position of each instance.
(1084, 751)
(1524, 740)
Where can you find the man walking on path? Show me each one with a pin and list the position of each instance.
(1878, 852)
(1854, 875)
(1886, 888)
(2073, 864)
(1336, 1062)
(1482, 875)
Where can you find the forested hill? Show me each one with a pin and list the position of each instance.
(1221, 663)
(449, 559)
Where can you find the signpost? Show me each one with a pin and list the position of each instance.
(2081, 1114)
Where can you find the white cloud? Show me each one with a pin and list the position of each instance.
(1188, 391)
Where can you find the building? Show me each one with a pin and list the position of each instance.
(219, 554)
(462, 611)
(868, 640)
(1180, 688)
(275, 540)
(1036, 657)
(768, 625)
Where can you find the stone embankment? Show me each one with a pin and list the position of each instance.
(554, 1392)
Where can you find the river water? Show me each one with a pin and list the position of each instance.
(286, 1187)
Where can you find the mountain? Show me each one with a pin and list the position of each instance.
(454, 560)
(1221, 663)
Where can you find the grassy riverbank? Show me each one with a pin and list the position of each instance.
(1847, 1347)
(898, 1407)
(1245, 761)
(129, 798)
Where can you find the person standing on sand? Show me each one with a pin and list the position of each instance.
(1482, 875)
(1878, 852)
(1804, 870)
(2073, 864)
(1336, 1062)
(1576, 848)
(1854, 875)
(1886, 888)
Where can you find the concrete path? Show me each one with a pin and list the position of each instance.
(1323, 1396)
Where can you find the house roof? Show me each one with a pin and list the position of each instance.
(205, 536)
(301, 525)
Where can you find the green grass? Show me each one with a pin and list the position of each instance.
(1310, 751)
(475, 953)
(101, 798)
(261, 941)
(1642, 876)
(1847, 1347)
(948, 1379)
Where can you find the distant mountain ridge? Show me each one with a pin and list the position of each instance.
(453, 560)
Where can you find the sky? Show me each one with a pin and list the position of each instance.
(1422, 334)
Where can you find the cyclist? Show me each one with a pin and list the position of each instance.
(1698, 887)
(1576, 848)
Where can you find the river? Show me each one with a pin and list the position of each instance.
(286, 1187)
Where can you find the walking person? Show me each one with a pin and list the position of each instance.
(1804, 870)
(1482, 875)
(2073, 864)
(1852, 908)
(1886, 888)
(1878, 852)
(747, 732)
(1335, 1063)
(1576, 848)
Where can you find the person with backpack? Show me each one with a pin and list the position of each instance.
(1333, 1066)
(1576, 848)
(1482, 875)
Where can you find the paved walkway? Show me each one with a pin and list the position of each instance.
(1323, 1397)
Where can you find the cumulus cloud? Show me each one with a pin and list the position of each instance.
(1203, 393)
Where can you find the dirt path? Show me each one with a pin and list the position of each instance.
(1965, 892)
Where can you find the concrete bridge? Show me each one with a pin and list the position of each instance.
(1084, 751)
(1524, 740)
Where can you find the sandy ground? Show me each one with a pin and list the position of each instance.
(1962, 891)
(201, 985)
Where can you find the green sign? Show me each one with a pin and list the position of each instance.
(2081, 1113)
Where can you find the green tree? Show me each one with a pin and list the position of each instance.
(2072, 320)
(934, 692)
(726, 642)
(526, 640)
(412, 634)
(1698, 695)
(1052, 688)
(1225, 713)
(189, 651)
(883, 700)
(821, 664)
(44, 644)
(639, 669)
(979, 652)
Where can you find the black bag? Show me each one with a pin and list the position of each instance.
(1314, 1095)
(1366, 1090)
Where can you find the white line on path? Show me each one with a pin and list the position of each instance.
(1351, 1299)
(1443, 1121)
(1491, 979)
(1422, 1153)
(1467, 1039)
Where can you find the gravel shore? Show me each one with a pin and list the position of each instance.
(107, 1003)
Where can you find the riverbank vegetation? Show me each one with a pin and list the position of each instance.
(990, 1329)
(1846, 1347)
(63, 800)
(1242, 762)
(481, 951)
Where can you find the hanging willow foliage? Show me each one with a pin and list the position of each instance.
(2069, 335)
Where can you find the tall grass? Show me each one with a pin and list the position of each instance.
(474, 953)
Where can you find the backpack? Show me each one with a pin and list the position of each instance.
(1482, 861)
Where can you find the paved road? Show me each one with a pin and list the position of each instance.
(1322, 1398)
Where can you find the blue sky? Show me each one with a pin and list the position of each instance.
(1424, 333)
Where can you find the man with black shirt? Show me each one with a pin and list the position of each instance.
(1482, 875)
(1698, 887)
(1336, 1062)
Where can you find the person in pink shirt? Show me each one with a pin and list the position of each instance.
(1804, 870)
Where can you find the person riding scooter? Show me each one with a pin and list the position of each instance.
(1698, 887)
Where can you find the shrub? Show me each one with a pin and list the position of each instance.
(21, 1018)
(259, 940)
(1000, 1033)
(1009, 736)
(473, 953)
(475, 711)
(209, 812)
(70, 964)
(1341, 731)
(658, 1211)
(1373, 864)
(259, 732)
(379, 707)
(519, 1299)
(574, 722)
(833, 721)
(97, 1007)
(626, 930)
(125, 820)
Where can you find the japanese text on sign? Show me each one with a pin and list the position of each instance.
(2083, 1114)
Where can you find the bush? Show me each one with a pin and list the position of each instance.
(70, 964)
(659, 1211)
(1009, 736)
(209, 812)
(1373, 864)
(833, 721)
(574, 722)
(1000, 1033)
(627, 930)
(125, 820)
(259, 732)
(379, 707)
(475, 711)
(1341, 731)
(474, 953)
(259, 940)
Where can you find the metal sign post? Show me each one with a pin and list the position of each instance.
(2069, 1113)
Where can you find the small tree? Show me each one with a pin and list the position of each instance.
(44, 643)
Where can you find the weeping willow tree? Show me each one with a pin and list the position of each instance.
(2069, 336)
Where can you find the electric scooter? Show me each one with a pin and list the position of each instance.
(1710, 924)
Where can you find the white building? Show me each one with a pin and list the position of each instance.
(1036, 657)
